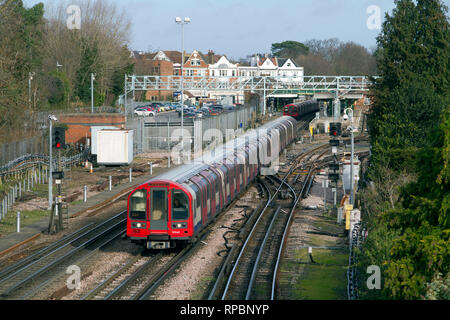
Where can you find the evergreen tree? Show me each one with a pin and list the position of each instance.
(409, 126)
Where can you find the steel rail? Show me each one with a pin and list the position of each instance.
(91, 252)
(60, 247)
(236, 263)
(258, 257)
(284, 238)
(42, 253)
(271, 198)
(48, 266)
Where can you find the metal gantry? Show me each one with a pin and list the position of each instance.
(307, 84)
(337, 86)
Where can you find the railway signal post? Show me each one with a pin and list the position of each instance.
(56, 218)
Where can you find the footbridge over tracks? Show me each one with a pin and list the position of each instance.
(320, 87)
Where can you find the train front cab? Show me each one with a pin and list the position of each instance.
(159, 215)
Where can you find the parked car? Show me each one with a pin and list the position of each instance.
(147, 107)
(206, 111)
(144, 112)
(169, 106)
(185, 108)
(189, 114)
(158, 105)
(216, 109)
(229, 108)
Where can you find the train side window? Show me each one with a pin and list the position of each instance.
(208, 195)
(138, 205)
(217, 192)
(180, 205)
(241, 167)
(228, 183)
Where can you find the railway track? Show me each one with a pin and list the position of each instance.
(25, 278)
(254, 271)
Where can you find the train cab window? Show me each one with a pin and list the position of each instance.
(159, 205)
(138, 205)
(180, 205)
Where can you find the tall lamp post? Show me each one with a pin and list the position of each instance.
(30, 74)
(182, 23)
(352, 197)
(50, 167)
(92, 92)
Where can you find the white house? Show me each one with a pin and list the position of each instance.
(289, 71)
(267, 67)
(223, 69)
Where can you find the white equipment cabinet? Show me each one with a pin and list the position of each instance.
(114, 147)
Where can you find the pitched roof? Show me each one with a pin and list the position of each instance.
(282, 62)
(174, 56)
(273, 60)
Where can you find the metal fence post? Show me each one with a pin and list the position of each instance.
(131, 176)
(84, 193)
(110, 183)
(18, 221)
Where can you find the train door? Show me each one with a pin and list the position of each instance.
(159, 209)
(210, 186)
(219, 188)
(230, 182)
(198, 180)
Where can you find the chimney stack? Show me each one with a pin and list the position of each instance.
(211, 57)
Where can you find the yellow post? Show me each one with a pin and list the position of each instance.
(348, 208)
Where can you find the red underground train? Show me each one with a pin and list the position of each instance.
(175, 206)
(297, 110)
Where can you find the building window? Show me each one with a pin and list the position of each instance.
(195, 62)
(155, 70)
(223, 73)
(233, 73)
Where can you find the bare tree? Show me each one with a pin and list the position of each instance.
(104, 30)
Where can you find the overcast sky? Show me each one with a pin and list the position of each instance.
(239, 28)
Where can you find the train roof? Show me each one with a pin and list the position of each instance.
(184, 172)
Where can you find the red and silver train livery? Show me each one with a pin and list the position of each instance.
(298, 110)
(176, 205)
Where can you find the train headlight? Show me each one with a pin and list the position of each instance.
(138, 225)
(179, 225)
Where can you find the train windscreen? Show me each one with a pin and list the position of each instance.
(138, 205)
(180, 206)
